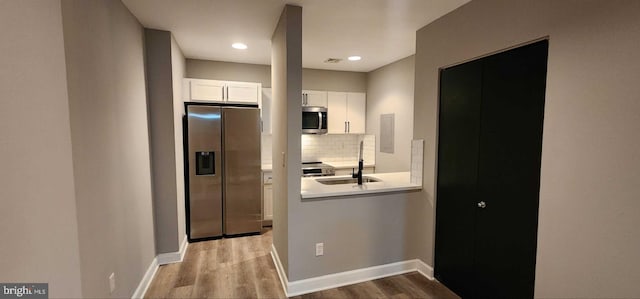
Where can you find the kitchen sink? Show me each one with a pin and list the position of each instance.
(344, 181)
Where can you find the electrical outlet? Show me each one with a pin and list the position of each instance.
(319, 249)
(112, 283)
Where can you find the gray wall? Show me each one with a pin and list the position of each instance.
(162, 131)
(589, 209)
(357, 232)
(38, 224)
(311, 78)
(286, 73)
(390, 90)
(232, 71)
(178, 70)
(104, 47)
(334, 80)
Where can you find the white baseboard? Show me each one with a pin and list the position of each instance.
(424, 269)
(173, 257)
(280, 269)
(146, 279)
(330, 281)
(160, 259)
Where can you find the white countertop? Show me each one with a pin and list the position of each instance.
(390, 182)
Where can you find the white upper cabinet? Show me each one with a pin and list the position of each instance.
(314, 98)
(206, 90)
(265, 110)
(202, 90)
(346, 112)
(242, 92)
(356, 112)
(337, 113)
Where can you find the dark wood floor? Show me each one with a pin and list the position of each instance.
(242, 268)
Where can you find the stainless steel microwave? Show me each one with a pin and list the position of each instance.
(314, 120)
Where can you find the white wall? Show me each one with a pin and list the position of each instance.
(104, 46)
(38, 224)
(390, 90)
(589, 211)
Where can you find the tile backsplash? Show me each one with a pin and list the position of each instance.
(330, 147)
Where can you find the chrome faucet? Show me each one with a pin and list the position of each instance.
(360, 166)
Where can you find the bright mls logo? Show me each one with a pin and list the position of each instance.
(24, 290)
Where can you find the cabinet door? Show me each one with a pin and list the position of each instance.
(267, 202)
(314, 98)
(265, 110)
(206, 90)
(337, 112)
(356, 112)
(242, 92)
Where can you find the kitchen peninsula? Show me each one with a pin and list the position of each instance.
(316, 188)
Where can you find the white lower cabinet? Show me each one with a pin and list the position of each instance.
(268, 202)
(267, 196)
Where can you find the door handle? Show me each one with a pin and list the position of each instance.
(482, 205)
(319, 120)
(345, 127)
(348, 127)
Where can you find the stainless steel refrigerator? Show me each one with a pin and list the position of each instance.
(224, 173)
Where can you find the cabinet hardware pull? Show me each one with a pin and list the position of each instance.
(482, 205)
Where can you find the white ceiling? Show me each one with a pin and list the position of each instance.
(381, 31)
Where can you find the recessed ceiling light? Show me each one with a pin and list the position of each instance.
(354, 58)
(239, 46)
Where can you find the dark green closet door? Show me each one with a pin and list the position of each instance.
(489, 173)
(460, 92)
